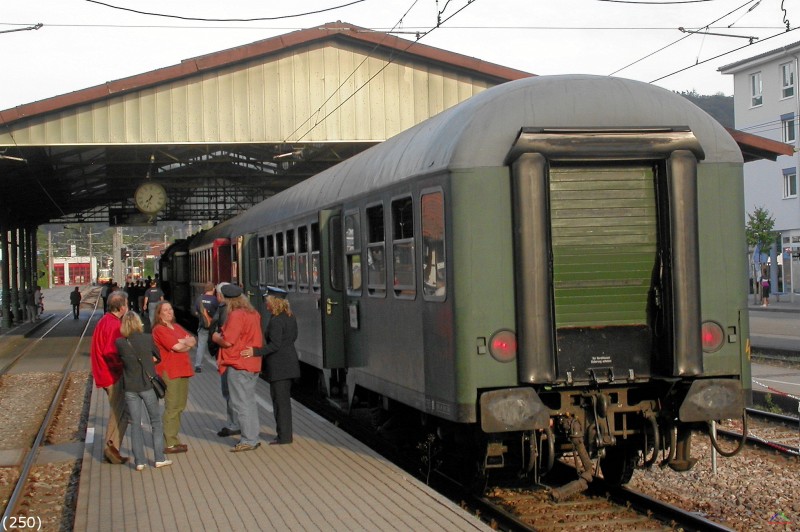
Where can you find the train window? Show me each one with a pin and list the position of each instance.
(434, 285)
(262, 259)
(335, 244)
(291, 260)
(315, 257)
(280, 261)
(403, 248)
(352, 248)
(269, 274)
(376, 252)
(302, 258)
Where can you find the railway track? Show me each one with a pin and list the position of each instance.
(768, 430)
(54, 386)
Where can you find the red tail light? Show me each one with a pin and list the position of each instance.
(713, 336)
(503, 346)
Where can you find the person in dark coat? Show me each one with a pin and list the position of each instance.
(138, 364)
(280, 362)
(75, 301)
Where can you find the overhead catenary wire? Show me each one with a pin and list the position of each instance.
(682, 38)
(253, 19)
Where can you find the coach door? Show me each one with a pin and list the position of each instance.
(332, 297)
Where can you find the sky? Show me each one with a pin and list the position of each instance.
(83, 43)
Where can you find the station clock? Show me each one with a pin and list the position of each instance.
(150, 197)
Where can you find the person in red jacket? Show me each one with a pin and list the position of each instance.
(107, 370)
(242, 328)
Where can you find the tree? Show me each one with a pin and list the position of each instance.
(759, 228)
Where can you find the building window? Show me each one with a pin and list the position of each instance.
(755, 90)
(789, 183)
(787, 80)
(788, 127)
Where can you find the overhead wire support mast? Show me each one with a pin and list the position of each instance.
(35, 27)
(751, 38)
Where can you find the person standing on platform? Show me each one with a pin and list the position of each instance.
(38, 301)
(152, 297)
(231, 427)
(136, 351)
(203, 309)
(75, 301)
(174, 344)
(104, 292)
(281, 364)
(107, 370)
(30, 307)
(242, 329)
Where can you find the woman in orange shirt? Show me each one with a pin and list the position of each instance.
(174, 344)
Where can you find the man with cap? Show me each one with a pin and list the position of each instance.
(231, 427)
(242, 328)
(281, 364)
(203, 309)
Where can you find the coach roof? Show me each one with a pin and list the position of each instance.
(480, 131)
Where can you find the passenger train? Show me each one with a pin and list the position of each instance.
(553, 267)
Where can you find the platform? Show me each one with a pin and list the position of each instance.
(325, 480)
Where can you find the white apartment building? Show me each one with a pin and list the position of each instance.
(767, 103)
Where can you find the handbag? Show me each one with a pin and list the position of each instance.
(159, 386)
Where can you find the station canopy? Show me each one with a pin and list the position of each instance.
(223, 131)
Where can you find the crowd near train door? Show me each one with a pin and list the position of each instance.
(332, 305)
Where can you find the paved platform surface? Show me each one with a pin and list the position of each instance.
(325, 480)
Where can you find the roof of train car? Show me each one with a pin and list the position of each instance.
(480, 131)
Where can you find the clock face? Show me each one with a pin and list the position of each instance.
(150, 197)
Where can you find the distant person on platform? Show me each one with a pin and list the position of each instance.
(152, 297)
(107, 370)
(38, 301)
(242, 329)
(104, 294)
(765, 287)
(203, 309)
(281, 364)
(30, 306)
(75, 301)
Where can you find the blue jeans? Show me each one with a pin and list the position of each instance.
(135, 400)
(232, 423)
(242, 387)
(202, 346)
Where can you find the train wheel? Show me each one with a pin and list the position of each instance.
(618, 464)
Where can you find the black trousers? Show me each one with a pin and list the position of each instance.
(281, 393)
(76, 311)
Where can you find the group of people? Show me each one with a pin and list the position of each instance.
(125, 360)
(33, 301)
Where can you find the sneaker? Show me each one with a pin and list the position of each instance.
(198, 369)
(141, 467)
(165, 463)
(239, 447)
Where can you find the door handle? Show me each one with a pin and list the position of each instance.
(329, 303)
